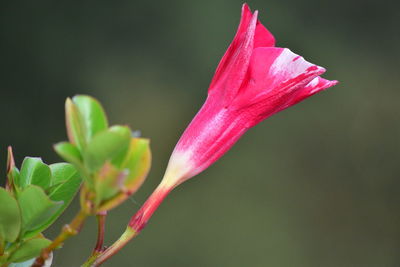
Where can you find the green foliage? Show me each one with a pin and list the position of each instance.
(75, 130)
(84, 117)
(69, 152)
(106, 146)
(10, 217)
(111, 162)
(36, 209)
(133, 170)
(35, 172)
(12, 171)
(108, 182)
(65, 184)
(29, 249)
(32, 200)
(137, 161)
(40, 193)
(93, 117)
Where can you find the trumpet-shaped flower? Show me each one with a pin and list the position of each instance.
(253, 81)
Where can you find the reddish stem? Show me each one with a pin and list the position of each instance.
(136, 224)
(101, 221)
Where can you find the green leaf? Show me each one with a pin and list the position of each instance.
(29, 249)
(62, 172)
(10, 217)
(138, 162)
(93, 117)
(136, 165)
(124, 131)
(75, 127)
(106, 146)
(65, 184)
(12, 171)
(36, 209)
(34, 171)
(68, 152)
(108, 182)
(12, 176)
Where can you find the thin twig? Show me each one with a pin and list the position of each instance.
(101, 222)
(67, 231)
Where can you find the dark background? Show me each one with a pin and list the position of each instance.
(315, 185)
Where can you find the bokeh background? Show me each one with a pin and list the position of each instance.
(315, 185)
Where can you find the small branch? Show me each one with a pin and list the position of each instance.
(67, 231)
(136, 224)
(99, 258)
(98, 249)
(101, 221)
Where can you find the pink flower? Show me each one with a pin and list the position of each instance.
(253, 81)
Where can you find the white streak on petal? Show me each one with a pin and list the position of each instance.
(288, 63)
(314, 82)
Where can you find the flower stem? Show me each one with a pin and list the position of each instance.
(67, 231)
(136, 224)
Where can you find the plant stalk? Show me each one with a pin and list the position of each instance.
(135, 226)
(67, 231)
(101, 223)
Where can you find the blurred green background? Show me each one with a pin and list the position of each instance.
(315, 185)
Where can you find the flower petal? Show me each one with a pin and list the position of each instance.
(273, 69)
(316, 85)
(233, 66)
(274, 78)
(263, 38)
(212, 132)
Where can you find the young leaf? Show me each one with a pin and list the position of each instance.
(65, 184)
(34, 171)
(106, 146)
(124, 131)
(10, 170)
(62, 172)
(74, 121)
(29, 249)
(36, 209)
(68, 152)
(12, 176)
(93, 117)
(10, 217)
(137, 164)
(108, 182)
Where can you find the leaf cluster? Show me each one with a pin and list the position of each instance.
(112, 162)
(34, 197)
